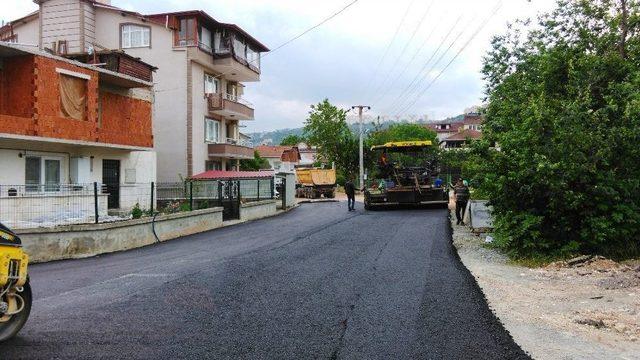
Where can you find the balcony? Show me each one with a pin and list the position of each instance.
(232, 149)
(230, 106)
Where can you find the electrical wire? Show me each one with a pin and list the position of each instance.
(473, 36)
(386, 51)
(409, 88)
(415, 87)
(406, 67)
(406, 46)
(327, 19)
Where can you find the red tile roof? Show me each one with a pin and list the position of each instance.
(464, 135)
(266, 151)
(473, 119)
(284, 153)
(453, 127)
(233, 175)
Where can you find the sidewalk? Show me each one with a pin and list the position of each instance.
(585, 311)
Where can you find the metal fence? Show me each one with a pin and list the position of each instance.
(33, 206)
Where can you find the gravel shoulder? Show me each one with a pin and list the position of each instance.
(591, 311)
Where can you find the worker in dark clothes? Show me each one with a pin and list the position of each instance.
(462, 194)
(350, 190)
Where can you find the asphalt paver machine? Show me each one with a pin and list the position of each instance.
(406, 175)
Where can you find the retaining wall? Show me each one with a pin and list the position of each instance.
(257, 210)
(78, 241)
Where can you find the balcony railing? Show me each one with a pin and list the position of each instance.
(239, 142)
(230, 105)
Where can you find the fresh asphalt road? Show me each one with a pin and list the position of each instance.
(317, 282)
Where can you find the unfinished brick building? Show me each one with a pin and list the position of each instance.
(65, 122)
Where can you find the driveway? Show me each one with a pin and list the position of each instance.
(317, 282)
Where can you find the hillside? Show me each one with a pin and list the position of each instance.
(275, 137)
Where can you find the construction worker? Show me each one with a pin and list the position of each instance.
(462, 194)
(350, 190)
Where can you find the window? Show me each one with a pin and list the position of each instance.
(212, 165)
(73, 97)
(42, 173)
(133, 36)
(232, 91)
(239, 48)
(211, 84)
(221, 42)
(205, 39)
(187, 32)
(212, 131)
(61, 47)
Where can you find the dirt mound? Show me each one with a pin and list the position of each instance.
(589, 262)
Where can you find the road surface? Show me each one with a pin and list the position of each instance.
(317, 282)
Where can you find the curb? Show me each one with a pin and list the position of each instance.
(318, 201)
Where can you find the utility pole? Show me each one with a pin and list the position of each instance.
(624, 27)
(360, 120)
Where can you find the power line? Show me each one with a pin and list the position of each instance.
(311, 28)
(405, 68)
(386, 51)
(406, 46)
(478, 30)
(327, 19)
(412, 92)
(408, 88)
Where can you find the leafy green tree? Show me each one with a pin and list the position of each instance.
(255, 164)
(564, 109)
(327, 128)
(403, 132)
(291, 140)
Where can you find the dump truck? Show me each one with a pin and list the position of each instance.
(406, 176)
(312, 183)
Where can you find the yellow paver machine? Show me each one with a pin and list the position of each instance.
(406, 175)
(15, 291)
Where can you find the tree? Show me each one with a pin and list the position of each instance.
(255, 164)
(326, 127)
(403, 132)
(291, 140)
(564, 109)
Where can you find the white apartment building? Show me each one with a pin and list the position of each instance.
(202, 65)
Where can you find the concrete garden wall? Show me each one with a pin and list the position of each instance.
(257, 210)
(78, 241)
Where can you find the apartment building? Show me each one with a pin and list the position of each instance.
(65, 125)
(202, 67)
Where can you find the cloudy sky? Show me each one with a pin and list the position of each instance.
(344, 60)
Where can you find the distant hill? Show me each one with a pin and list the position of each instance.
(274, 137)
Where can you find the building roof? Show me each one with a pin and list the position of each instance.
(464, 135)
(24, 19)
(213, 21)
(267, 151)
(453, 127)
(473, 119)
(284, 153)
(152, 18)
(233, 175)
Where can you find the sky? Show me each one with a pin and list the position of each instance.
(355, 59)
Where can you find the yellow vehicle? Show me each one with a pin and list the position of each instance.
(312, 183)
(15, 291)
